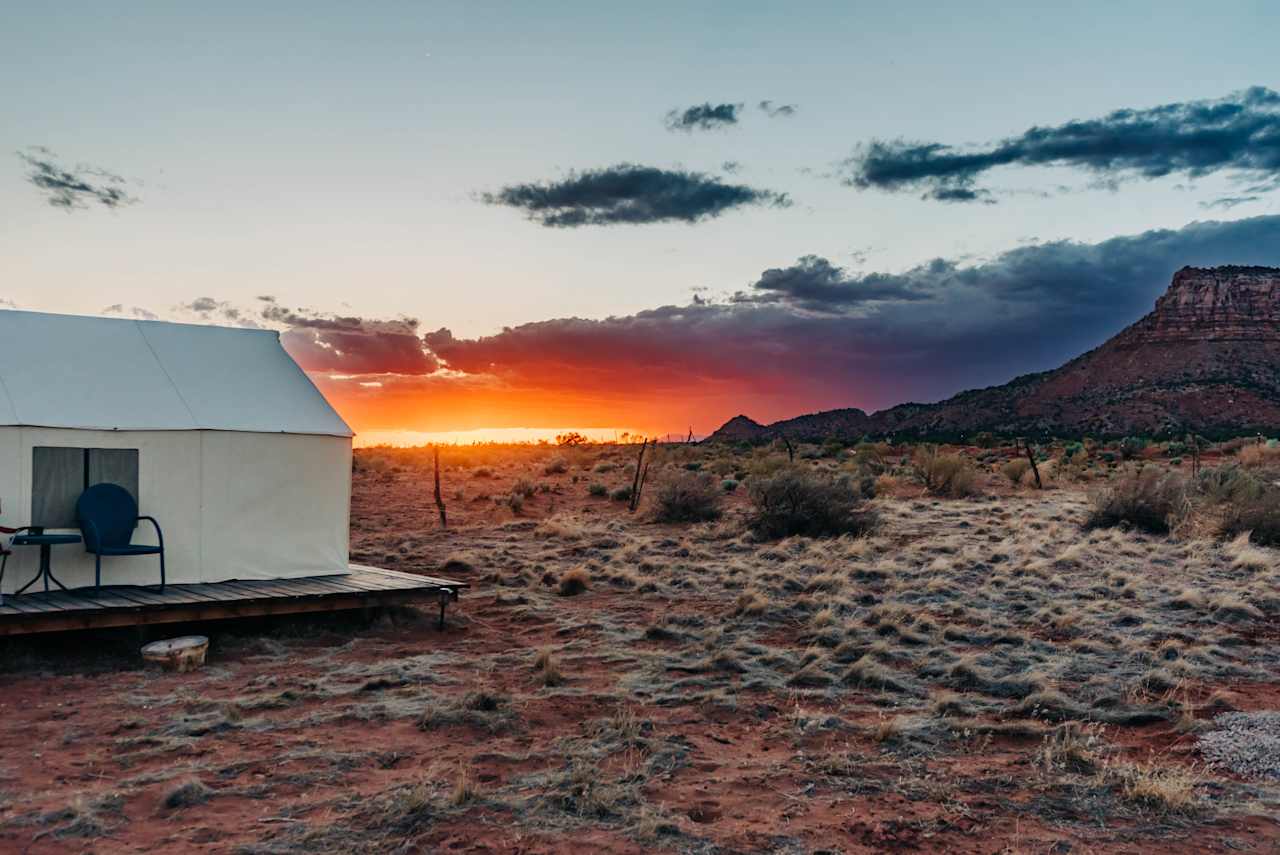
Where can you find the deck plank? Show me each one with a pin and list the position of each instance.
(126, 605)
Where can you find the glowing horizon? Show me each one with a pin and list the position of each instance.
(409, 438)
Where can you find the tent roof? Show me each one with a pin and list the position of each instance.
(115, 374)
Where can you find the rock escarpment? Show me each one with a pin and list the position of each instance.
(1207, 359)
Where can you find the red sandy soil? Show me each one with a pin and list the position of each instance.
(746, 783)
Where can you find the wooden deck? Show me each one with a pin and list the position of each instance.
(128, 605)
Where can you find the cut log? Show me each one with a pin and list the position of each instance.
(177, 654)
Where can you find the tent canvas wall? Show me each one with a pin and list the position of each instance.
(217, 432)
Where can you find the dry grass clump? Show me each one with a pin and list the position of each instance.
(1146, 499)
(1015, 470)
(1260, 455)
(795, 501)
(187, 794)
(687, 497)
(574, 582)
(465, 790)
(751, 603)
(1166, 789)
(547, 668)
(1257, 517)
(557, 465)
(949, 475)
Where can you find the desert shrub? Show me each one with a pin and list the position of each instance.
(188, 794)
(1146, 499)
(621, 494)
(574, 582)
(729, 485)
(1257, 514)
(1016, 469)
(1259, 455)
(482, 472)
(523, 487)
(556, 465)
(604, 466)
(868, 457)
(1131, 447)
(799, 501)
(986, 439)
(515, 502)
(687, 497)
(950, 475)
(597, 489)
(693, 465)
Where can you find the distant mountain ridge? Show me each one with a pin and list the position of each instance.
(1206, 359)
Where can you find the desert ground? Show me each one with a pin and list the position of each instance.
(969, 668)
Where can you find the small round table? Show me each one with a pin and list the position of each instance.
(45, 542)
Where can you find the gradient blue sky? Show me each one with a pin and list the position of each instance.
(330, 154)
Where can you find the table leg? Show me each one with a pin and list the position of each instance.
(47, 568)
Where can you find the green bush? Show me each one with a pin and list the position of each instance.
(797, 501)
(597, 489)
(729, 485)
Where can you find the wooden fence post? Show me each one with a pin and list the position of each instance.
(1034, 468)
(435, 453)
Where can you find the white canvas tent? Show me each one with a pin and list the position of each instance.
(217, 432)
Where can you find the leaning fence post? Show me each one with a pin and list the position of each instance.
(444, 523)
(635, 482)
(1034, 468)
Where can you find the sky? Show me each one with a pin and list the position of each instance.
(482, 216)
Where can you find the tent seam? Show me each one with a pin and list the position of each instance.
(194, 422)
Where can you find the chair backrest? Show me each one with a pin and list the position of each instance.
(113, 513)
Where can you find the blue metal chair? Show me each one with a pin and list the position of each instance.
(108, 515)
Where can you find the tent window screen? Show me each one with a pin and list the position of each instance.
(59, 475)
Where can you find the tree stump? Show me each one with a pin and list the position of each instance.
(177, 654)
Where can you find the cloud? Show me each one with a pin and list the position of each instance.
(777, 111)
(703, 117)
(879, 339)
(73, 188)
(349, 344)
(814, 283)
(131, 311)
(1238, 134)
(1228, 202)
(799, 338)
(630, 194)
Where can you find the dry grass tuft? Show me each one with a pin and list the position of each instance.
(1146, 499)
(547, 668)
(574, 582)
(949, 475)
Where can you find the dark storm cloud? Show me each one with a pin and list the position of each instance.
(75, 187)
(929, 331)
(1239, 134)
(349, 344)
(630, 194)
(777, 111)
(703, 117)
(815, 283)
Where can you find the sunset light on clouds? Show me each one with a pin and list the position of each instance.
(469, 220)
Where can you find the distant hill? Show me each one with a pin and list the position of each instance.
(1207, 359)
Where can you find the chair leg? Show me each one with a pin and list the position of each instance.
(97, 572)
(162, 570)
(3, 561)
